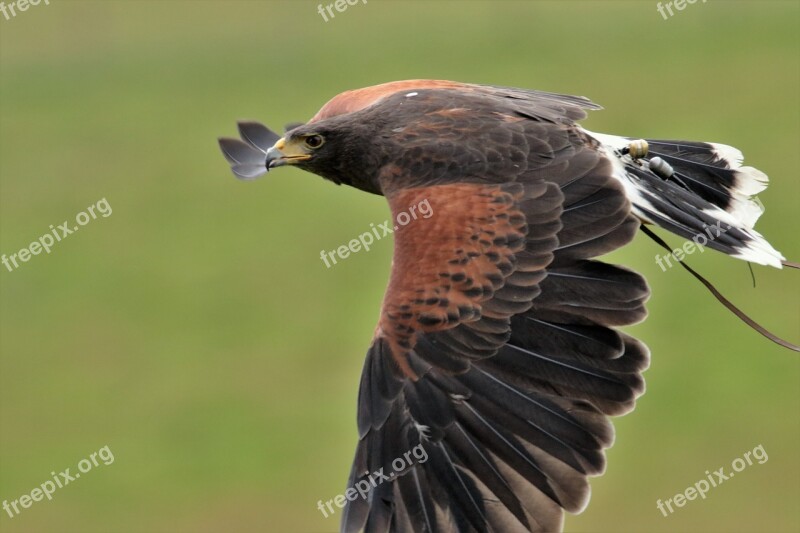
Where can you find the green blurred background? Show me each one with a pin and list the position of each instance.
(196, 332)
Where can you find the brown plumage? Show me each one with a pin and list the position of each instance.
(496, 349)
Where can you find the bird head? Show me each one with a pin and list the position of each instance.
(332, 149)
(304, 149)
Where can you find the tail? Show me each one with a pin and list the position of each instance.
(697, 190)
(701, 192)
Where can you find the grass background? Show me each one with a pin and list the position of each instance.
(196, 332)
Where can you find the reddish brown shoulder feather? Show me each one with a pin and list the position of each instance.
(444, 268)
(350, 101)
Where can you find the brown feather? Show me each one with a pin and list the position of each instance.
(445, 267)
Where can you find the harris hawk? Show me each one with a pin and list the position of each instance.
(497, 349)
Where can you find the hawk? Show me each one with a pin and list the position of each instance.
(497, 350)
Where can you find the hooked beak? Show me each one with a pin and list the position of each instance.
(281, 154)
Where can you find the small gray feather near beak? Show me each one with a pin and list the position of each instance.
(248, 157)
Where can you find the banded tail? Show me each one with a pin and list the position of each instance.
(701, 192)
(697, 190)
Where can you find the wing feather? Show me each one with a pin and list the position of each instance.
(495, 352)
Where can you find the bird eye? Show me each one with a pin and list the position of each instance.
(314, 141)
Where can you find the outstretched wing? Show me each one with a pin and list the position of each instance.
(485, 393)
